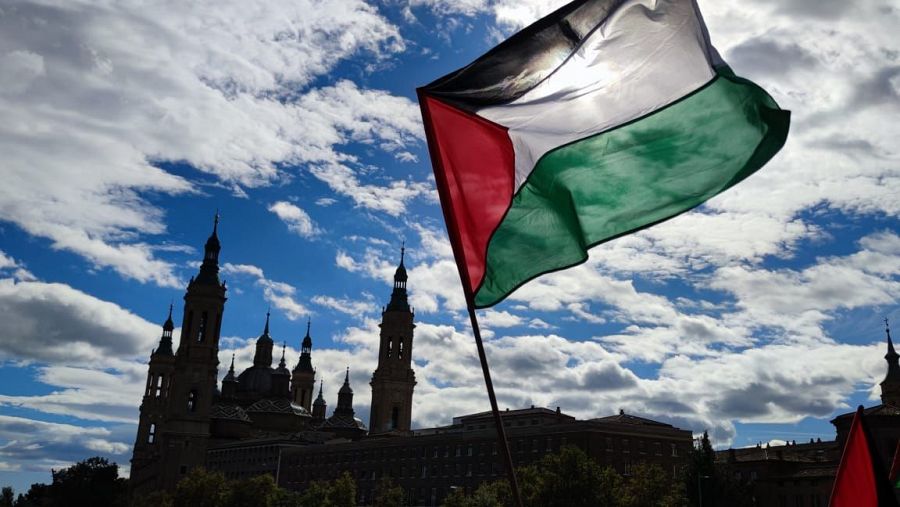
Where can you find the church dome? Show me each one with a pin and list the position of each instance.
(255, 379)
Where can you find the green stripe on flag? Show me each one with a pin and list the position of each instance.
(631, 177)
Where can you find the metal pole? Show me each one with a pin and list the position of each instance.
(498, 421)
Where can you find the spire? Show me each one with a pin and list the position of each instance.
(283, 347)
(345, 397)
(305, 362)
(890, 386)
(399, 300)
(263, 355)
(230, 375)
(169, 325)
(891, 353)
(209, 270)
(165, 340)
(306, 345)
(346, 387)
(318, 406)
(320, 398)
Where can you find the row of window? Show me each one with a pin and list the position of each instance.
(641, 447)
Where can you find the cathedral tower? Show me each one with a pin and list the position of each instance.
(303, 379)
(394, 380)
(890, 386)
(186, 431)
(147, 449)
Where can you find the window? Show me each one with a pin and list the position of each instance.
(151, 435)
(609, 444)
(192, 401)
(625, 448)
(674, 450)
(627, 467)
(641, 447)
(657, 448)
(390, 344)
(469, 470)
(201, 333)
(395, 417)
(458, 451)
(157, 390)
(400, 349)
(470, 451)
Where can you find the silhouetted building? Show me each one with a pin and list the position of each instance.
(802, 474)
(265, 420)
(429, 463)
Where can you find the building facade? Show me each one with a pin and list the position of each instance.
(430, 463)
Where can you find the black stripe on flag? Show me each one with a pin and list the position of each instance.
(519, 63)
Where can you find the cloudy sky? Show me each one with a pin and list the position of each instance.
(127, 124)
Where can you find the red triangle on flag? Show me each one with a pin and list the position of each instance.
(860, 480)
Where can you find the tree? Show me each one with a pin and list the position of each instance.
(343, 491)
(388, 494)
(155, 499)
(7, 497)
(649, 485)
(569, 478)
(200, 488)
(716, 485)
(259, 491)
(94, 481)
(340, 492)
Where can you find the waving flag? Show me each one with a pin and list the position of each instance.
(603, 118)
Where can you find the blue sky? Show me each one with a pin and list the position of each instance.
(126, 125)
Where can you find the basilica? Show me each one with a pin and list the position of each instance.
(185, 414)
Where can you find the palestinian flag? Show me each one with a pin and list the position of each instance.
(603, 118)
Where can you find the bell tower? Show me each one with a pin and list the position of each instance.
(145, 465)
(394, 379)
(186, 432)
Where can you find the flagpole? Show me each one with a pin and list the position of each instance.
(498, 421)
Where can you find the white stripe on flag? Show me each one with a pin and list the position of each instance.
(648, 54)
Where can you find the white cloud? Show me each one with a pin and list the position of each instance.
(38, 446)
(93, 96)
(281, 295)
(353, 308)
(55, 322)
(295, 218)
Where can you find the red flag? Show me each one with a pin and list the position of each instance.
(860, 480)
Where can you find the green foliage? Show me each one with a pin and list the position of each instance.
(713, 482)
(338, 493)
(388, 494)
(201, 488)
(572, 478)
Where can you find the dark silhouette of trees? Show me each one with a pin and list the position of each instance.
(703, 477)
(571, 478)
(94, 481)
